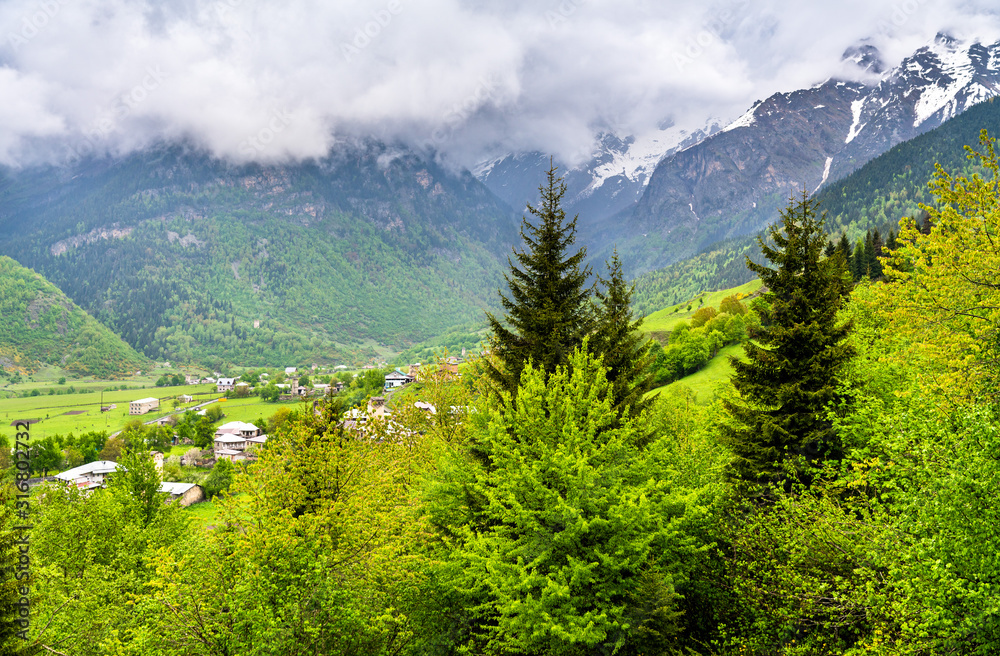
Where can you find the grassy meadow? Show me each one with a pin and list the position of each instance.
(703, 383)
(663, 321)
(53, 410)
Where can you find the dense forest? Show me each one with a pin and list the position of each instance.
(42, 326)
(838, 498)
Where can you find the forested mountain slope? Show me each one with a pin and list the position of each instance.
(40, 325)
(190, 258)
(875, 197)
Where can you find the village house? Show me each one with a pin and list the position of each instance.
(236, 441)
(397, 379)
(225, 384)
(90, 475)
(142, 406)
(185, 398)
(95, 474)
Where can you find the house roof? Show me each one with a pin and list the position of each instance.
(175, 489)
(150, 399)
(226, 381)
(397, 375)
(96, 467)
(235, 427)
(228, 452)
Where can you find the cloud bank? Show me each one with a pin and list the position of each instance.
(265, 81)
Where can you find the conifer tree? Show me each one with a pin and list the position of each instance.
(548, 311)
(844, 247)
(858, 268)
(794, 362)
(618, 341)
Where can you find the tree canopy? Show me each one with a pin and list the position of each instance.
(793, 363)
(547, 313)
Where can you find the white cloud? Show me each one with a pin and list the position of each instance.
(250, 79)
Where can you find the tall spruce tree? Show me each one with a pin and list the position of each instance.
(548, 311)
(620, 344)
(794, 362)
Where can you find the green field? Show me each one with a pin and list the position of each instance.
(252, 408)
(664, 320)
(52, 410)
(703, 383)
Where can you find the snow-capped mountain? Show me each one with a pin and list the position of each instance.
(611, 181)
(733, 182)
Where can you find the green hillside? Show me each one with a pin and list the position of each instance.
(703, 383)
(666, 319)
(191, 259)
(40, 325)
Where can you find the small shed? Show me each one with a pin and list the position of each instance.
(183, 493)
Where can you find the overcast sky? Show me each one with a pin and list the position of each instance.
(249, 79)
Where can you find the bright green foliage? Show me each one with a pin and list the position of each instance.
(137, 484)
(792, 367)
(569, 541)
(939, 595)
(799, 571)
(617, 340)
(312, 554)
(219, 479)
(90, 558)
(946, 294)
(548, 310)
(12, 640)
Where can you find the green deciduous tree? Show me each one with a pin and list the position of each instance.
(13, 580)
(548, 311)
(219, 479)
(945, 290)
(793, 364)
(137, 483)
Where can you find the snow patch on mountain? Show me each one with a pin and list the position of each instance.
(856, 125)
(826, 174)
(956, 65)
(744, 121)
(642, 153)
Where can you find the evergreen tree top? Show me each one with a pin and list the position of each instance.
(547, 312)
